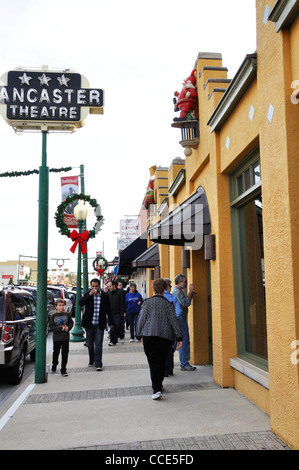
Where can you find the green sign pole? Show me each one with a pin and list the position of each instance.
(85, 256)
(42, 264)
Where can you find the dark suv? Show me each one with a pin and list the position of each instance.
(17, 331)
(50, 301)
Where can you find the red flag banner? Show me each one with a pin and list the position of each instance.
(69, 187)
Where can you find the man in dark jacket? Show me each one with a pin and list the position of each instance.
(117, 303)
(97, 306)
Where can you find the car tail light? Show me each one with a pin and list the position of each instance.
(64, 302)
(7, 333)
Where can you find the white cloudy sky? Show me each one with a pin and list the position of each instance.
(139, 52)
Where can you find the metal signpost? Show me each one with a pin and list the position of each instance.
(47, 101)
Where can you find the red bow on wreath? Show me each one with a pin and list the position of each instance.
(79, 237)
(100, 272)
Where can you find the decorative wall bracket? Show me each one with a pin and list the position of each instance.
(189, 133)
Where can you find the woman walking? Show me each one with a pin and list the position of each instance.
(159, 328)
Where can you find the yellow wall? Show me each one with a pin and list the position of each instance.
(278, 66)
(209, 166)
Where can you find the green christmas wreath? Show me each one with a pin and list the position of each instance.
(59, 215)
(96, 262)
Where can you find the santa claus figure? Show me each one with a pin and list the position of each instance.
(185, 101)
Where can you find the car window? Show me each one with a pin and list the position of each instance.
(66, 295)
(56, 293)
(31, 303)
(27, 305)
(50, 298)
(34, 293)
(15, 306)
(2, 307)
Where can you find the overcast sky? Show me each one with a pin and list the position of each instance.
(139, 52)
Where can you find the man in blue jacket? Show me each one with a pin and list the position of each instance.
(134, 301)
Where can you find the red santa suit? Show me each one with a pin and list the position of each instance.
(186, 99)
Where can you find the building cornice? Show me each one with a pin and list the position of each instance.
(238, 86)
(178, 183)
(283, 13)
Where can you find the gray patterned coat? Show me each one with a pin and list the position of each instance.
(157, 318)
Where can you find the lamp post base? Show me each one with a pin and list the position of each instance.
(77, 335)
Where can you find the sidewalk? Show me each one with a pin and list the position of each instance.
(113, 409)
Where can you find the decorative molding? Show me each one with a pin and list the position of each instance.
(236, 89)
(178, 182)
(284, 13)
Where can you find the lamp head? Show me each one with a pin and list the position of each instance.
(80, 211)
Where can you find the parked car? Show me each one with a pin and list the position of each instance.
(17, 331)
(60, 292)
(72, 296)
(50, 301)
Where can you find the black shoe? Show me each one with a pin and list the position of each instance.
(64, 374)
(53, 369)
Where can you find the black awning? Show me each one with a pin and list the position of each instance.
(185, 225)
(132, 251)
(148, 259)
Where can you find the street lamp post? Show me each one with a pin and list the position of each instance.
(42, 265)
(77, 333)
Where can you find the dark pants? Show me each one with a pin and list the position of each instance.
(169, 364)
(156, 350)
(64, 346)
(118, 329)
(133, 317)
(95, 345)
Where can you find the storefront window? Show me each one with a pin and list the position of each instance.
(252, 262)
(248, 259)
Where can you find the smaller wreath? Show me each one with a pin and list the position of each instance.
(59, 215)
(96, 262)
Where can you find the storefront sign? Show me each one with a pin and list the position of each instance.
(33, 99)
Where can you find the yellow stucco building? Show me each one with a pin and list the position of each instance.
(241, 167)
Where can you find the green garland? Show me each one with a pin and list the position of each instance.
(96, 261)
(59, 215)
(31, 172)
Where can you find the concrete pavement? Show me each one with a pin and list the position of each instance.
(113, 409)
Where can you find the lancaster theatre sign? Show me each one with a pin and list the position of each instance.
(48, 100)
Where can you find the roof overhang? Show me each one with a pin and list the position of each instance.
(149, 259)
(132, 251)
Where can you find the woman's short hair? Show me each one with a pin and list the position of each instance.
(159, 286)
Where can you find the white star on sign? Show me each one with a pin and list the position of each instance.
(25, 79)
(63, 80)
(44, 80)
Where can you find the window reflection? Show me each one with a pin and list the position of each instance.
(252, 263)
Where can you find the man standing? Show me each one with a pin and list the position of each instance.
(184, 301)
(97, 306)
(117, 304)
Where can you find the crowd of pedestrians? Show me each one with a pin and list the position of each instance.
(159, 321)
